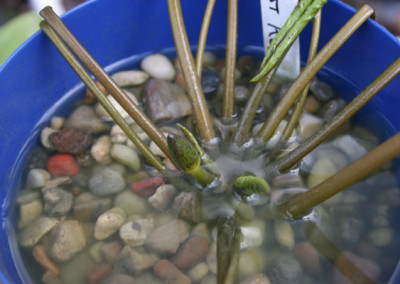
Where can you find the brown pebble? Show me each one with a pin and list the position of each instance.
(167, 271)
(71, 140)
(180, 80)
(99, 272)
(308, 257)
(312, 105)
(89, 98)
(110, 251)
(76, 191)
(41, 257)
(191, 252)
(147, 187)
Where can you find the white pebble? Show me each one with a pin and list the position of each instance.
(308, 125)
(44, 137)
(101, 150)
(156, 150)
(37, 178)
(130, 78)
(108, 223)
(284, 234)
(126, 156)
(103, 114)
(197, 272)
(321, 170)
(159, 66)
(57, 122)
(117, 134)
(381, 237)
(209, 58)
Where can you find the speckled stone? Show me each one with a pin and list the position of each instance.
(109, 223)
(57, 202)
(70, 240)
(84, 117)
(135, 233)
(133, 261)
(34, 231)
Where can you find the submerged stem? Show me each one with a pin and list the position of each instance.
(196, 96)
(311, 70)
(101, 75)
(203, 37)
(351, 174)
(334, 255)
(230, 66)
(298, 108)
(249, 112)
(90, 83)
(355, 105)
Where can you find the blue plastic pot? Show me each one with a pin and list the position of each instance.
(36, 83)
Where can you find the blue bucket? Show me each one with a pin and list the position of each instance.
(36, 82)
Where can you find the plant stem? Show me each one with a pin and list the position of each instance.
(351, 174)
(101, 75)
(90, 83)
(230, 66)
(196, 96)
(355, 105)
(203, 37)
(334, 255)
(311, 70)
(290, 36)
(298, 108)
(249, 112)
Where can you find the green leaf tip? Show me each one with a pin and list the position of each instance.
(183, 153)
(248, 185)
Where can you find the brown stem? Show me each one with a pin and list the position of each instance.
(230, 66)
(101, 75)
(334, 255)
(90, 83)
(355, 105)
(311, 70)
(203, 37)
(196, 96)
(249, 112)
(351, 174)
(298, 108)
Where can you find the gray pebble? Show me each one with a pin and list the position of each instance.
(126, 156)
(166, 239)
(321, 90)
(88, 207)
(285, 269)
(132, 261)
(29, 211)
(34, 231)
(135, 233)
(131, 203)
(84, 117)
(163, 197)
(57, 202)
(70, 239)
(106, 181)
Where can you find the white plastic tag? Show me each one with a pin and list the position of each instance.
(274, 14)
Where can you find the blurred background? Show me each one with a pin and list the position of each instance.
(19, 18)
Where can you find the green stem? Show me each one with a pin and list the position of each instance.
(230, 66)
(290, 36)
(311, 70)
(356, 171)
(203, 37)
(246, 120)
(355, 105)
(90, 83)
(298, 108)
(101, 75)
(293, 18)
(196, 96)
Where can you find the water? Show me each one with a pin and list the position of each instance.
(361, 221)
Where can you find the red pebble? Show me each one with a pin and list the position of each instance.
(167, 271)
(147, 187)
(63, 165)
